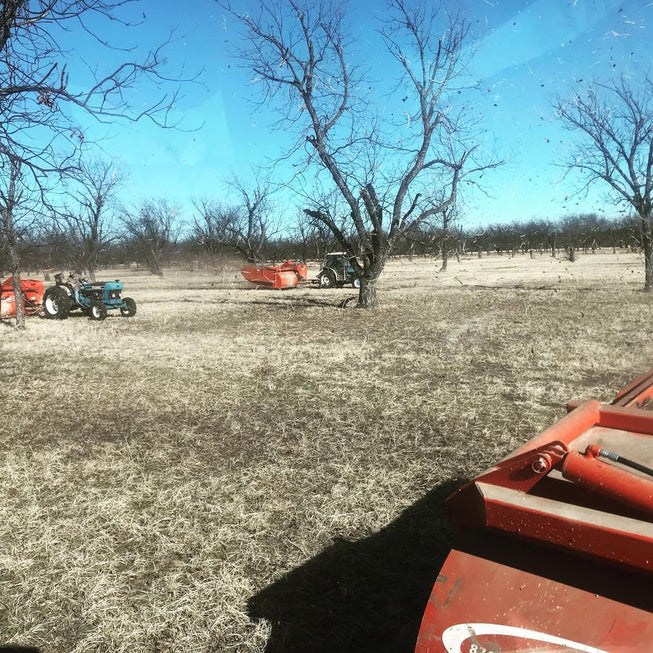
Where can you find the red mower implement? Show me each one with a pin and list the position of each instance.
(32, 291)
(553, 545)
(286, 275)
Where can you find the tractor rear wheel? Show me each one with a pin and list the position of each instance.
(56, 303)
(97, 311)
(327, 279)
(129, 308)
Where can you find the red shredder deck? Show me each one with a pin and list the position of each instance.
(32, 290)
(286, 275)
(554, 544)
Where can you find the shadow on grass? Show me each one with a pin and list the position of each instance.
(361, 596)
(294, 302)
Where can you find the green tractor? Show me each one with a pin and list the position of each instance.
(338, 271)
(93, 298)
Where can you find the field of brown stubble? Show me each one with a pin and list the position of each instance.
(245, 470)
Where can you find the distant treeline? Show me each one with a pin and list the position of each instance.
(56, 250)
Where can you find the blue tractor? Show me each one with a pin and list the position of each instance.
(92, 298)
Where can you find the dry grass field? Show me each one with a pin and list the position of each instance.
(247, 470)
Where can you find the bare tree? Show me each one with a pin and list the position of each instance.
(253, 226)
(211, 225)
(10, 198)
(246, 227)
(89, 226)
(20, 216)
(153, 229)
(615, 124)
(390, 180)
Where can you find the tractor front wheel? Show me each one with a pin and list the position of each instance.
(129, 307)
(97, 311)
(56, 303)
(327, 279)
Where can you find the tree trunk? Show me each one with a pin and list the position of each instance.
(154, 265)
(647, 246)
(18, 293)
(367, 297)
(445, 258)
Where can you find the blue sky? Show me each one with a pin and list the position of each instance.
(524, 55)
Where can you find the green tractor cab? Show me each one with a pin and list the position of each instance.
(338, 271)
(93, 298)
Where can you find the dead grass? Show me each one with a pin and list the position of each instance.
(236, 469)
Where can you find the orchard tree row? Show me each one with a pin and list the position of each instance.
(95, 232)
(373, 183)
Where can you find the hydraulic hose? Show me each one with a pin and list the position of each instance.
(598, 452)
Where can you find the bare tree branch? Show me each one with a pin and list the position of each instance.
(41, 84)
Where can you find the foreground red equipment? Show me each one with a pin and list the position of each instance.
(32, 290)
(553, 546)
(286, 275)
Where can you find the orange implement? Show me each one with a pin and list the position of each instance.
(286, 275)
(553, 545)
(32, 290)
